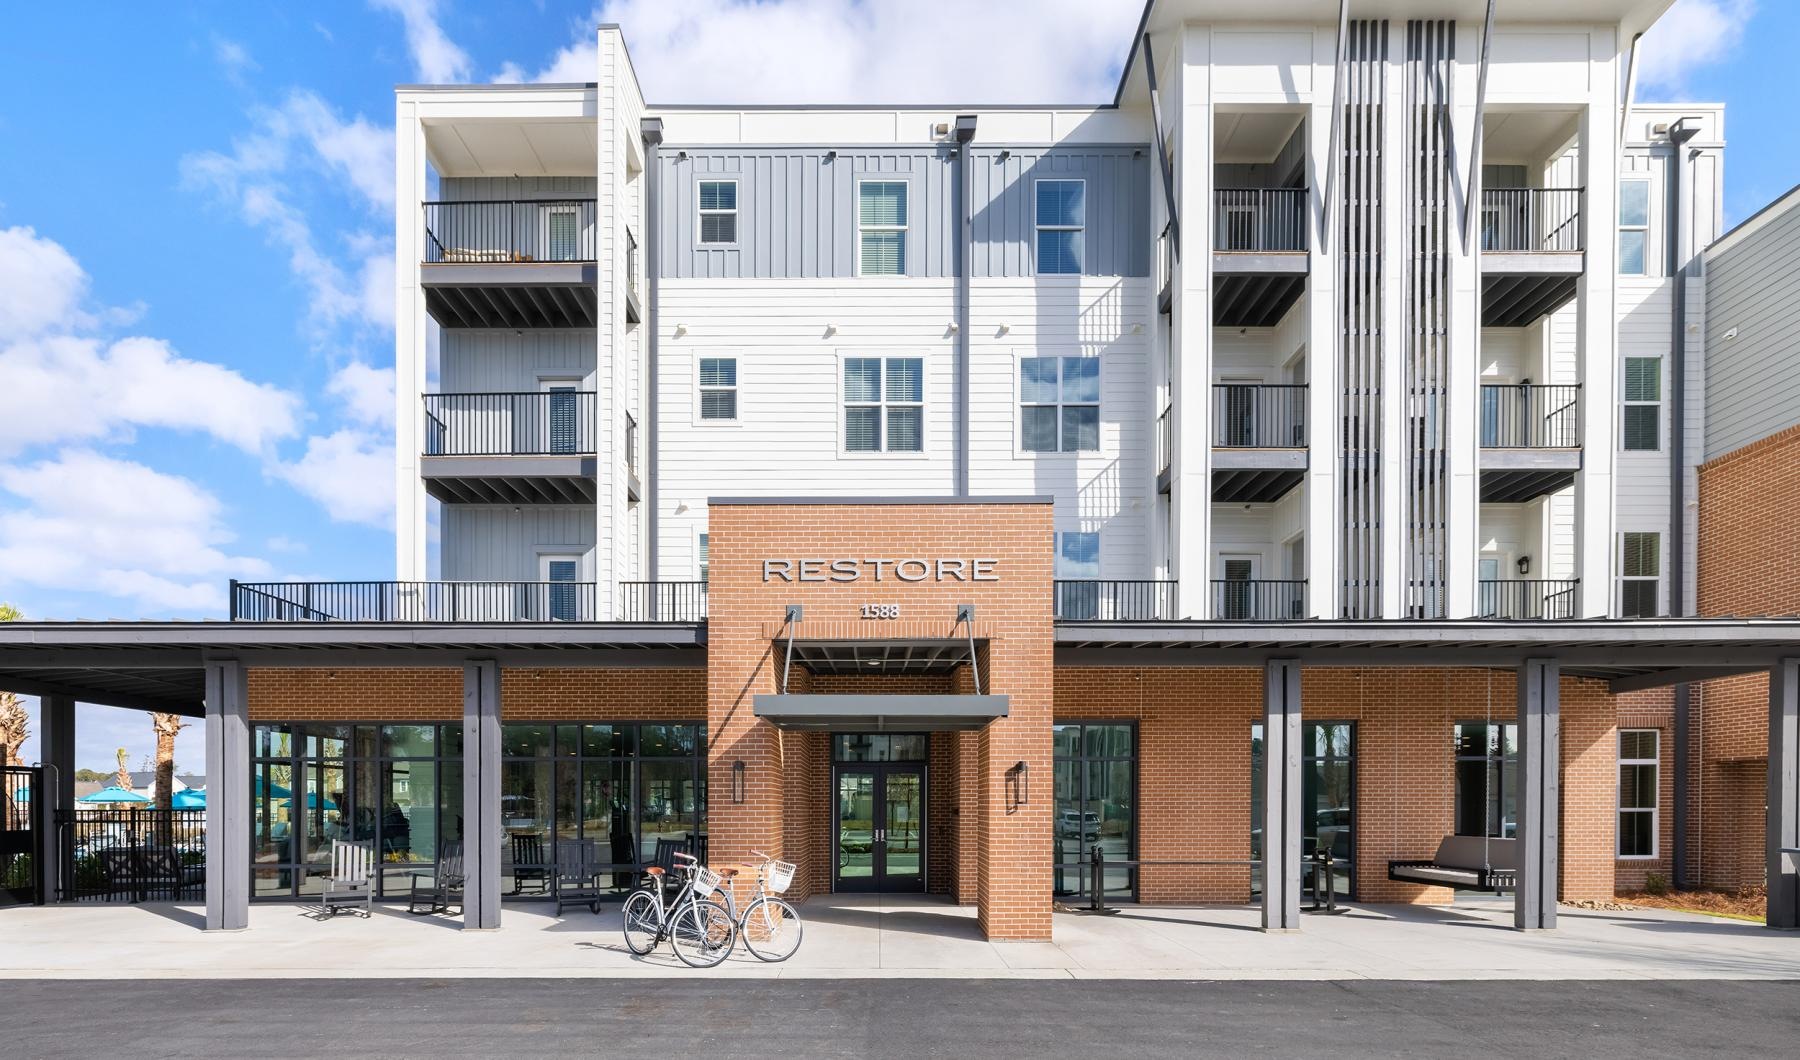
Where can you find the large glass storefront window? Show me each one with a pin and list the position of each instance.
(1487, 770)
(1327, 800)
(1096, 804)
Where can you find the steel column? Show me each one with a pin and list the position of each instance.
(1539, 830)
(56, 728)
(481, 795)
(227, 795)
(1281, 795)
(1783, 910)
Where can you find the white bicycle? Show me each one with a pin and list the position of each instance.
(769, 926)
(699, 930)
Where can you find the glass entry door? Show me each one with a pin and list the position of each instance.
(880, 822)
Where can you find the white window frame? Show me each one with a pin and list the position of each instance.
(1655, 807)
(923, 404)
(736, 387)
(1020, 404)
(861, 228)
(702, 556)
(736, 212)
(1622, 227)
(1036, 265)
(1625, 403)
(1661, 562)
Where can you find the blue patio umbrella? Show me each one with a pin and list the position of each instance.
(188, 799)
(113, 794)
(272, 790)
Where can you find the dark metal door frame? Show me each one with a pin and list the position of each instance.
(879, 881)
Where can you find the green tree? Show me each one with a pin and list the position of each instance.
(15, 724)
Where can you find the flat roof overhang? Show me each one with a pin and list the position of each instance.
(880, 713)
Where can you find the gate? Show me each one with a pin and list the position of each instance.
(21, 840)
(133, 854)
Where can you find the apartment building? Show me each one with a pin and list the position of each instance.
(1290, 461)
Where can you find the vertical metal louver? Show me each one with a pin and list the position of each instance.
(1430, 57)
(1360, 332)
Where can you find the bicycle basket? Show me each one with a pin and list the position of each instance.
(706, 881)
(781, 876)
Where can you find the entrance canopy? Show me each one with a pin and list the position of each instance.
(880, 713)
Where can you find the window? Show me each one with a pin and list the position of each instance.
(1096, 781)
(1634, 227)
(562, 591)
(1637, 792)
(1487, 778)
(884, 404)
(1059, 401)
(1061, 227)
(718, 211)
(1077, 571)
(562, 233)
(1640, 574)
(881, 227)
(1327, 799)
(1641, 423)
(705, 557)
(718, 388)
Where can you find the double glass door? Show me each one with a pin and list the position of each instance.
(880, 822)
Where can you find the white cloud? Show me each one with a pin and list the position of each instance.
(350, 473)
(435, 55)
(1690, 35)
(41, 284)
(92, 522)
(367, 393)
(234, 58)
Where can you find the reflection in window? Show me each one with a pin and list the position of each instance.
(1096, 803)
(1487, 769)
(1327, 801)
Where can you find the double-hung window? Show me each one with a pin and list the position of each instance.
(881, 227)
(1641, 421)
(718, 388)
(704, 554)
(1059, 404)
(1640, 574)
(1634, 228)
(718, 211)
(1637, 792)
(884, 404)
(1061, 227)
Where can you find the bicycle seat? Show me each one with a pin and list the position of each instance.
(726, 874)
(653, 871)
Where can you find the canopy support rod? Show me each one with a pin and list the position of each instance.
(965, 617)
(791, 620)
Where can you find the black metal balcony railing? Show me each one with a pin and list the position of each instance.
(1531, 220)
(1259, 416)
(521, 423)
(1524, 599)
(1096, 600)
(1165, 441)
(1262, 220)
(1258, 600)
(509, 230)
(1531, 416)
(484, 601)
(662, 601)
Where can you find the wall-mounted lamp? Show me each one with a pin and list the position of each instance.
(1003, 329)
(1003, 156)
(680, 330)
(954, 328)
(831, 156)
(1524, 565)
(681, 156)
(830, 330)
(737, 782)
(1018, 786)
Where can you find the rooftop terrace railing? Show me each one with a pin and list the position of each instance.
(443, 601)
(1114, 600)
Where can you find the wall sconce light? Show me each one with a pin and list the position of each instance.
(1003, 329)
(681, 156)
(1524, 565)
(954, 328)
(737, 782)
(1018, 786)
(830, 330)
(680, 330)
(831, 156)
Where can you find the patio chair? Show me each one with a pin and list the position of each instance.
(352, 878)
(445, 883)
(160, 873)
(1465, 862)
(576, 877)
(664, 859)
(121, 871)
(528, 864)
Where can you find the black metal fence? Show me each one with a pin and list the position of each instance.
(1531, 220)
(509, 230)
(476, 601)
(1112, 600)
(21, 876)
(1526, 598)
(1259, 415)
(1258, 600)
(1266, 220)
(1531, 416)
(662, 601)
(513, 423)
(133, 854)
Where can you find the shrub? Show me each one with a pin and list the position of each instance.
(1656, 883)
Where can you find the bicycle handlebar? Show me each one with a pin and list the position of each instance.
(686, 857)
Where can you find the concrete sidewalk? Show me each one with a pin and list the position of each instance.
(887, 937)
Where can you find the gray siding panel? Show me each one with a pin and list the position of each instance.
(1753, 380)
(479, 361)
(490, 189)
(501, 543)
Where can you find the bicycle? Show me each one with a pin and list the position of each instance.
(769, 927)
(700, 932)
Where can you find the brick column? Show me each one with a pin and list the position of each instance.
(1017, 779)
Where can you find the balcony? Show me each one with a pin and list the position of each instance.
(510, 263)
(1530, 440)
(1518, 600)
(1259, 441)
(662, 601)
(519, 447)
(1094, 600)
(634, 488)
(1165, 449)
(634, 306)
(1258, 600)
(1532, 253)
(498, 601)
(1259, 254)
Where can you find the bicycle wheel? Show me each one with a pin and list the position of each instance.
(702, 935)
(641, 922)
(770, 929)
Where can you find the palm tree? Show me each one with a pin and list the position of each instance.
(15, 724)
(122, 775)
(166, 726)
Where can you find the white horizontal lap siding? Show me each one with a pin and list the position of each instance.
(499, 543)
(1641, 479)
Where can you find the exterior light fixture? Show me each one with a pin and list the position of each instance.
(1524, 565)
(1018, 784)
(737, 782)
(831, 156)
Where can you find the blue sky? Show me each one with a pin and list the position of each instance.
(196, 218)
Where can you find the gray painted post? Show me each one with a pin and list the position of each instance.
(227, 796)
(481, 795)
(1783, 911)
(1539, 829)
(56, 724)
(1281, 795)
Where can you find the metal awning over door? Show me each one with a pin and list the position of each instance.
(880, 713)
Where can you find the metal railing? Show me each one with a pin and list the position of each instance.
(107, 854)
(662, 601)
(444, 601)
(631, 263)
(522, 423)
(1165, 441)
(1531, 220)
(1165, 261)
(1097, 600)
(509, 230)
(1259, 415)
(1258, 599)
(1531, 416)
(631, 443)
(1523, 599)
(1261, 220)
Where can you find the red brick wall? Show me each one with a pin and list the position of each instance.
(387, 695)
(1654, 709)
(601, 695)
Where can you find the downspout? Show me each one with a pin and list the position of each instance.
(652, 131)
(965, 134)
(1679, 134)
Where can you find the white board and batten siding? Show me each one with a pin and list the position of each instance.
(1753, 341)
(500, 542)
